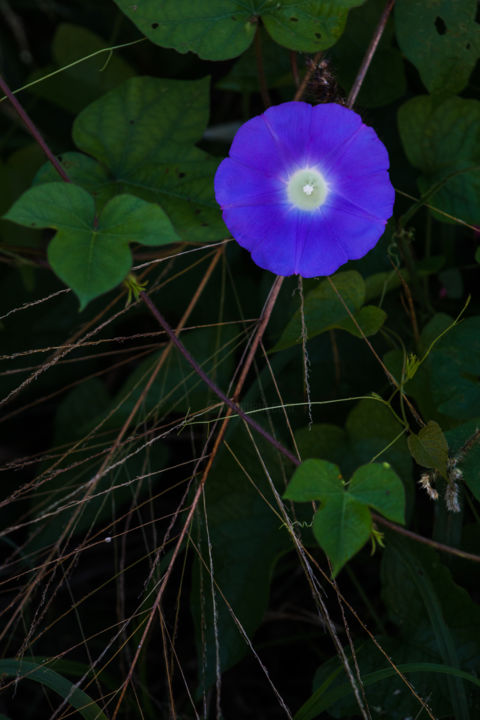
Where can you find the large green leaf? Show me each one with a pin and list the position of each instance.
(323, 310)
(370, 429)
(143, 136)
(315, 480)
(91, 254)
(454, 368)
(441, 137)
(221, 29)
(29, 670)
(379, 487)
(341, 528)
(441, 38)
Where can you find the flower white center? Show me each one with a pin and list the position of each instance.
(307, 189)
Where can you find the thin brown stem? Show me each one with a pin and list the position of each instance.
(234, 407)
(367, 59)
(265, 317)
(425, 541)
(33, 130)
(306, 78)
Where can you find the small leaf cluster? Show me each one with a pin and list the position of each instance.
(343, 524)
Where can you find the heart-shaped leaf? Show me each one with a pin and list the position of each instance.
(91, 255)
(222, 29)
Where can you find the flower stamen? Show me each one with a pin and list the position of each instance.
(307, 189)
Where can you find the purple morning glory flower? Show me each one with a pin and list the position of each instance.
(305, 189)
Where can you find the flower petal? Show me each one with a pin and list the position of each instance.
(362, 155)
(289, 125)
(341, 230)
(255, 147)
(268, 232)
(373, 193)
(333, 128)
(236, 185)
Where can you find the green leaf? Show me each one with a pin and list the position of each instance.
(314, 480)
(91, 255)
(75, 87)
(25, 669)
(306, 25)
(323, 310)
(222, 29)
(441, 138)
(343, 523)
(324, 697)
(370, 318)
(429, 447)
(370, 429)
(378, 486)
(454, 371)
(431, 610)
(441, 38)
(341, 527)
(143, 136)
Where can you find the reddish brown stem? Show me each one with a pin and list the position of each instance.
(234, 407)
(368, 57)
(425, 541)
(306, 79)
(33, 130)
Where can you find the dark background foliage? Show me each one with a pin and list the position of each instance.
(137, 580)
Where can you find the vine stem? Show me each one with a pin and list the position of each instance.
(368, 57)
(231, 404)
(33, 130)
(425, 541)
(306, 78)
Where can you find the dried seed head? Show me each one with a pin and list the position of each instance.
(425, 483)
(451, 497)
